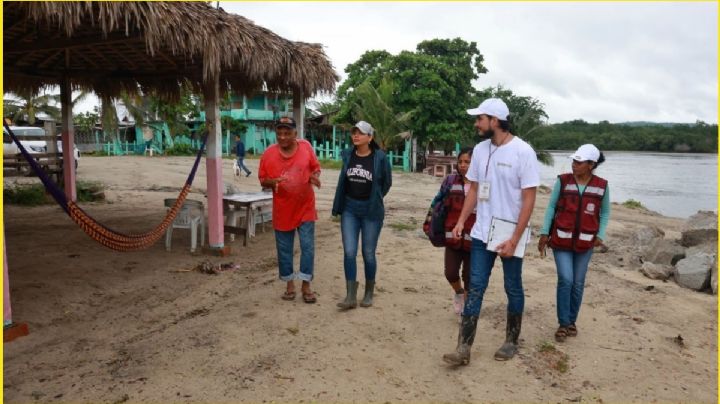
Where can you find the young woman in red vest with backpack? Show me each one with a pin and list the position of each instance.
(575, 222)
(457, 251)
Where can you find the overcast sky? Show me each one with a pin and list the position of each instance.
(611, 61)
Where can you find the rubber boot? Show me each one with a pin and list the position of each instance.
(466, 336)
(350, 301)
(367, 300)
(512, 333)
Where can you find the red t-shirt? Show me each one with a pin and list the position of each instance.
(294, 201)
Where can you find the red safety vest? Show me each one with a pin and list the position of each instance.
(577, 216)
(455, 200)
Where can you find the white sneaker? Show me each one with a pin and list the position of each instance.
(458, 302)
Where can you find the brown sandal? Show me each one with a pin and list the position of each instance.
(288, 295)
(572, 330)
(309, 297)
(561, 334)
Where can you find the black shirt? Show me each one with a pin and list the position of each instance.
(359, 176)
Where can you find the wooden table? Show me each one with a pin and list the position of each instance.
(249, 201)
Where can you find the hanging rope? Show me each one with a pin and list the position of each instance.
(97, 231)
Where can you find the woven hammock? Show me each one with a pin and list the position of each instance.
(97, 231)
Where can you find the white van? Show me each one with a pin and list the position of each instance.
(25, 135)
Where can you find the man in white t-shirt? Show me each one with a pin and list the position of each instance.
(504, 176)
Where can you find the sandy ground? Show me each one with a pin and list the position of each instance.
(116, 327)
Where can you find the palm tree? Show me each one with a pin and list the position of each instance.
(374, 106)
(27, 105)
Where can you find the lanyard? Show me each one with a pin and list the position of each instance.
(491, 152)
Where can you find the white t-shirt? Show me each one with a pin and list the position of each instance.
(511, 168)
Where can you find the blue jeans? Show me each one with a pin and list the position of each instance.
(353, 222)
(284, 242)
(241, 164)
(481, 263)
(571, 269)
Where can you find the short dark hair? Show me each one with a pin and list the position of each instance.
(505, 125)
(601, 160)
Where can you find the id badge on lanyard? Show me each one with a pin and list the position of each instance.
(484, 185)
(484, 190)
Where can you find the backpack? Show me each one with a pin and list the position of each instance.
(434, 225)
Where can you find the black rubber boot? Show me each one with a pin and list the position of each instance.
(367, 300)
(350, 301)
(466, 337)
(512, 333)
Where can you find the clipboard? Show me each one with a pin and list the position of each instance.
(501, 230)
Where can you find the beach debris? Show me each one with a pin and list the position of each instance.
(679, 340)
(207, 267)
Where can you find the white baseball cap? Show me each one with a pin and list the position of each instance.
(493, 107)
(586, 152)
(364, 127)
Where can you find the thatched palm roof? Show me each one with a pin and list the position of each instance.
(114, 46)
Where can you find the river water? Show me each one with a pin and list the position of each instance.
(673, 184)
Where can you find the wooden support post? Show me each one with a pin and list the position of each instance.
(299, 112)
(213, 163)
(68, 139)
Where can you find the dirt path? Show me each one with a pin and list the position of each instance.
(116, 327)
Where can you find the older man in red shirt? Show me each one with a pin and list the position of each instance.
(290, 168)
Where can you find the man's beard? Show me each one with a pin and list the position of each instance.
(486, 134)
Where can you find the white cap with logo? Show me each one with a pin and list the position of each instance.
(364, 127)
(586, 152)
(492, 107)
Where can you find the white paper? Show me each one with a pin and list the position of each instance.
(501, 231)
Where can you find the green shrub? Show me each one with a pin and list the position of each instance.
(90, 191)
(181, 149)
(25, 195)
(35, 195)
(633, 204)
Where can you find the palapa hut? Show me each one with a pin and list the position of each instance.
(110, 47)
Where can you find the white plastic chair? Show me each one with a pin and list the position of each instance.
(191, 216)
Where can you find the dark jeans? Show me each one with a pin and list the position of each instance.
(481, 263)
(354, 222)
(241, 164)
(284, 242)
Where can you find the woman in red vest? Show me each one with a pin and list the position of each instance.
(575, 222)
(457, 251)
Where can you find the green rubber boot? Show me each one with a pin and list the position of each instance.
(466, 336)
(367, 300)
(350, 301)
(512, 333)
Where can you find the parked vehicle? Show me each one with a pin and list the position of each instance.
(26, 135)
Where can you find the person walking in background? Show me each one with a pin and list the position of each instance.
(365, 179)
(503, 176)
(290, 168)
(240, 153)
(457, 250)
(575, 221)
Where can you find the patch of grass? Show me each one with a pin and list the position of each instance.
(332, 164)
(35, 195)
(546, 346)
(402, 226)
(633, 204)
(25, 195)
(88, 191)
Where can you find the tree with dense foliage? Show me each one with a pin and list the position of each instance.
(699, 137)
(434, 81)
